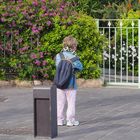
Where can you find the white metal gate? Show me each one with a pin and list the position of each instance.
(121, 58)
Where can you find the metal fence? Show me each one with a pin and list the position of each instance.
(121, 57)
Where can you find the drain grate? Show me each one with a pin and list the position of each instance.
(2, 99)
(16, 131)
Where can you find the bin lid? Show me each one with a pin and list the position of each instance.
(39, 87)
(41, 92)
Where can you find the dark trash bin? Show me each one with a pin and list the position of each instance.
(45, 112)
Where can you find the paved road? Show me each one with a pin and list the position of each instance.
(104, 114)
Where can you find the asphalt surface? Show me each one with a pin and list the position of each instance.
(104, 113)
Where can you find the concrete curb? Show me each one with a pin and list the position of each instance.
(90, 83)
(82, 83)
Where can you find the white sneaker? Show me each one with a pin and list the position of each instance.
(72, 123)
(61, 123)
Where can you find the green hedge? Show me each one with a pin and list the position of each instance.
(84, 29)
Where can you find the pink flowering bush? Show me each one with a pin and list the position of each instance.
(22, 24)
(31, 34)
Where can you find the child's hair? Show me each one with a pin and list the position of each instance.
(70, 42)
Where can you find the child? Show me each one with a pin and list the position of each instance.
(69, 94)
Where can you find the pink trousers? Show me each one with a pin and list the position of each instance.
(66, 96)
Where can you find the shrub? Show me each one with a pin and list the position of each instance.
(32, 35)
(22, 24)
(84, 29)
(110, 9)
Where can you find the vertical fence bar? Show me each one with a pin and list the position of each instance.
(103, 62)
(139, 53)
(115, 55)
(133, 47)
(109, 24)
(126, 54)
(121, 50)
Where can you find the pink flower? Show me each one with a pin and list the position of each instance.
(43, 0)
(33, 56)
(20, 40)
(17, 8)
(48, 23)
(29, 23)
(43, 7)
(61, 9)
(65, 17)
(8, 33)
(23, 49)
(1, 48)
(44, 63)
(16, 33)
(24, 13)
(46, 14)
(35, 30)
(2, 19)
(37, 62)
(33, 76)
(46, 75)
(5, 14)
(41, 55)
(63, 6)
(40, 28)
(34, 27)
(51, 14)
(13, 23)
(10, 25)
(35, 3)
(54, 13)
(8, 45)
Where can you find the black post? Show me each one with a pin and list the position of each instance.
(45, 112)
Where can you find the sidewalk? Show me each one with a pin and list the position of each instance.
(104, 114)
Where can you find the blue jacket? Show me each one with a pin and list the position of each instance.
(76, 65)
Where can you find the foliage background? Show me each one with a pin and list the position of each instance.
(110, 9)
(32, 34)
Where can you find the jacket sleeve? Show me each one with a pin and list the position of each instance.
(77, 65)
